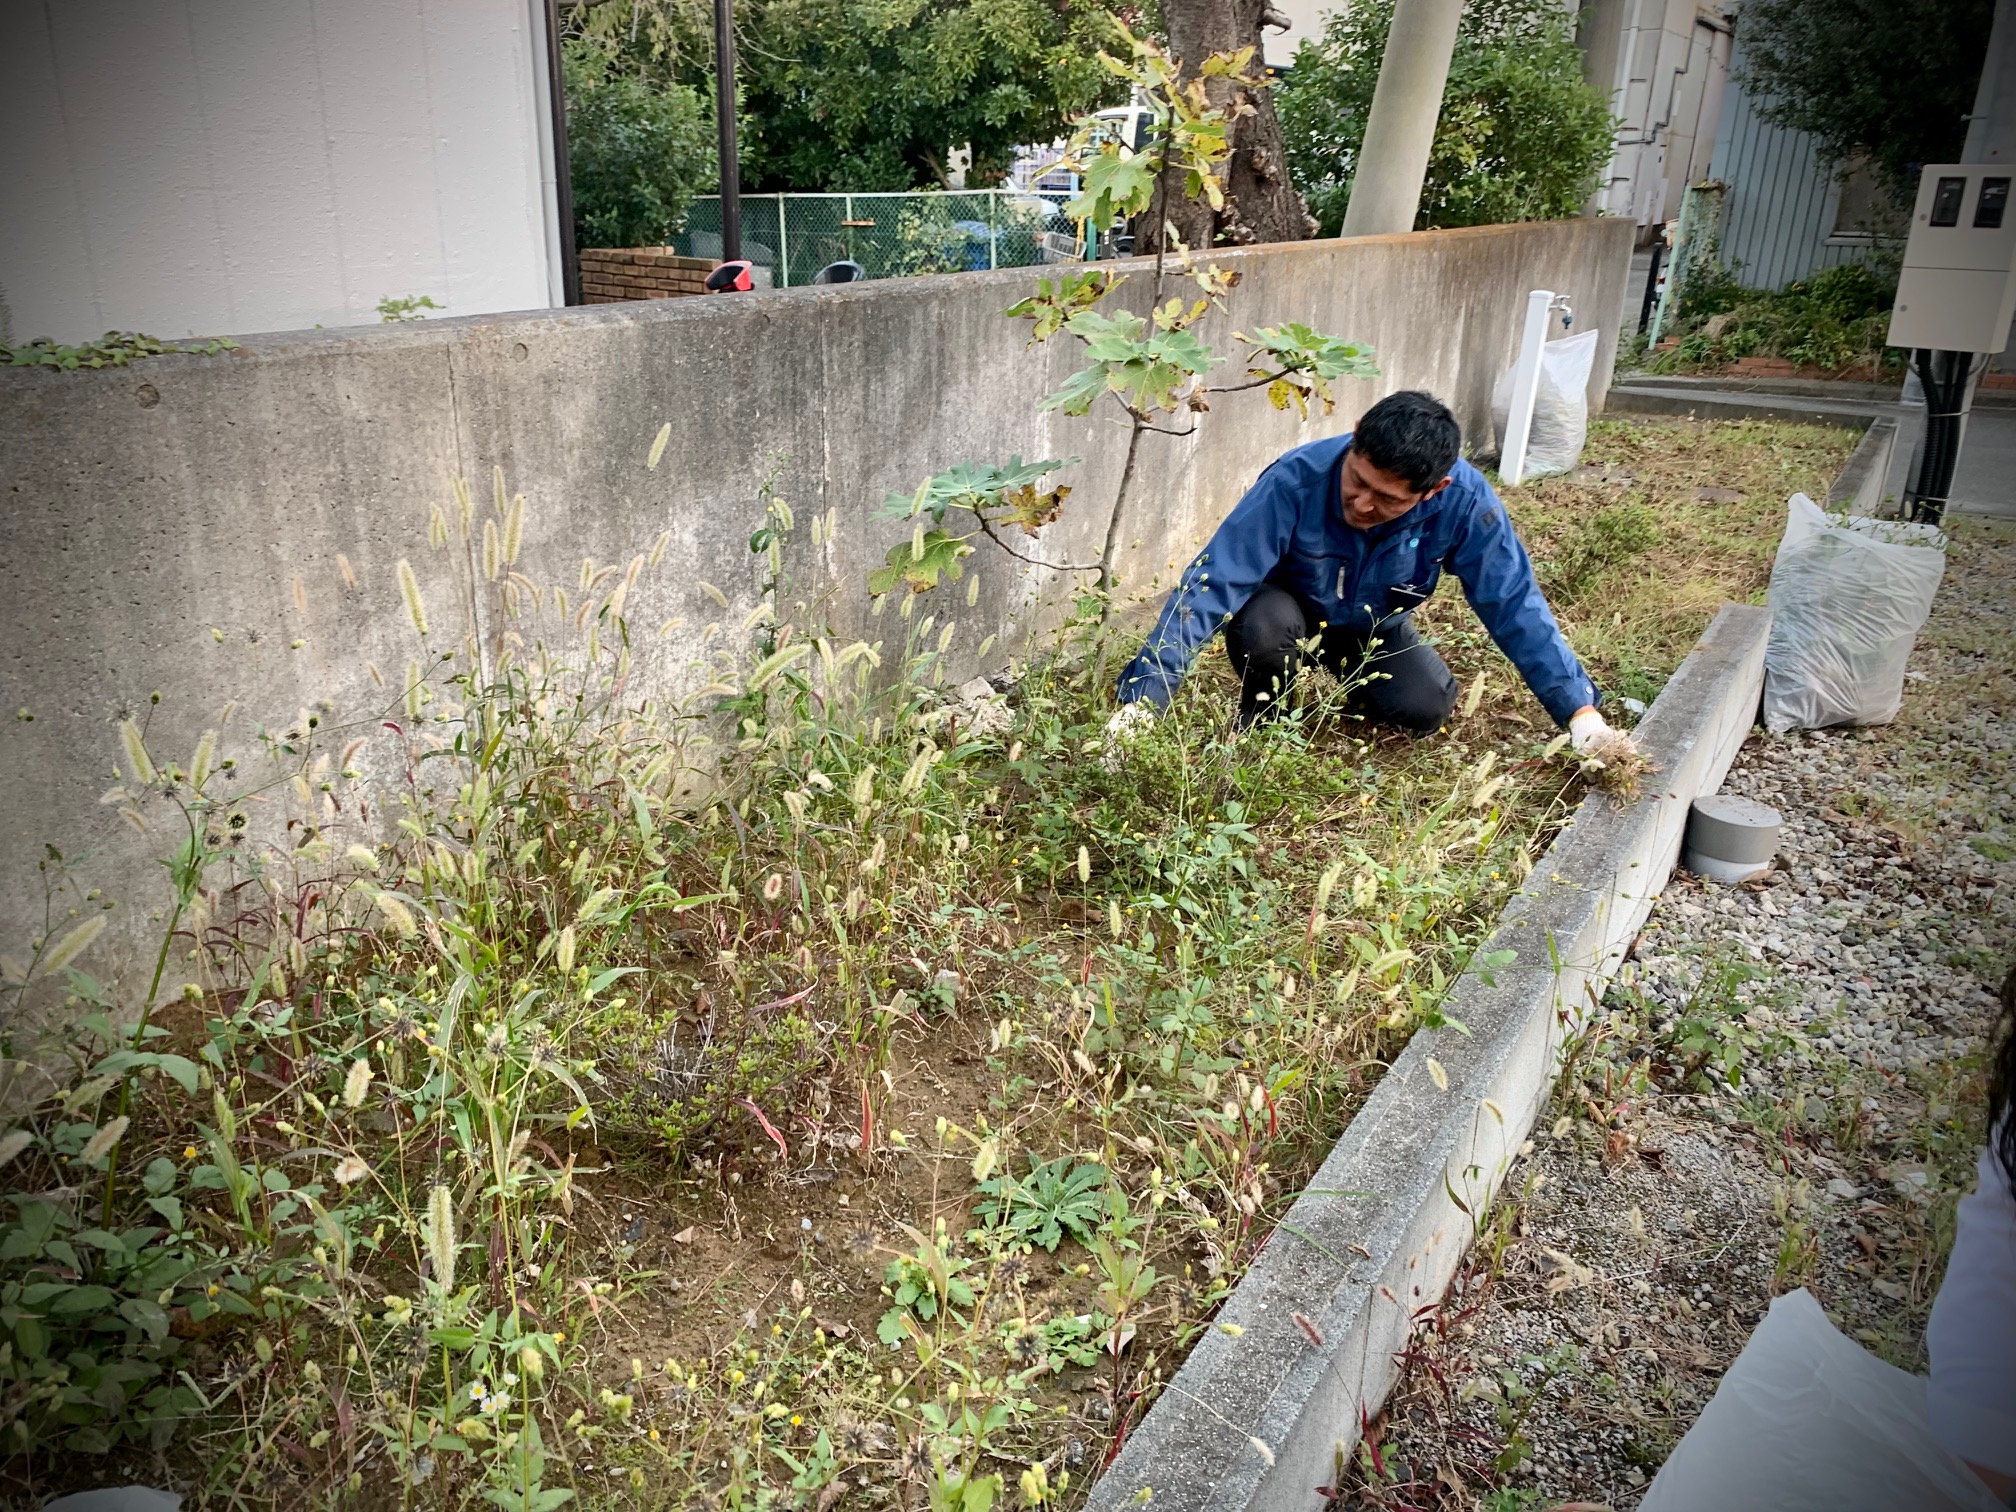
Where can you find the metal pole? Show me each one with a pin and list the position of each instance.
(724, 111)
(1651, 285)
(563, 182)
(783, 246)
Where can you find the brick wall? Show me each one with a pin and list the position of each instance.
(609, 274)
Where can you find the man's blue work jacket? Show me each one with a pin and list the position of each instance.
(1290, 530)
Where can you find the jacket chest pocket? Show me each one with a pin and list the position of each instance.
(1411, 582)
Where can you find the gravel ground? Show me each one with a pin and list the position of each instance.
(1847, 994)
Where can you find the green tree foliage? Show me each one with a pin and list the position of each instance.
(1522, 134)
(1889, 80)
(866, 94)
(874, 94)
(638, 150)
(665, 41)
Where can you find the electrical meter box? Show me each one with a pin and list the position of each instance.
(1957, 292)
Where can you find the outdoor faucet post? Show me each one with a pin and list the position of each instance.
(1540, 307)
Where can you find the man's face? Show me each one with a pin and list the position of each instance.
(1373, 496)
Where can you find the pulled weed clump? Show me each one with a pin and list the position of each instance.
(458, 1006)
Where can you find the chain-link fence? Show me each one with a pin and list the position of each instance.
(889, 235)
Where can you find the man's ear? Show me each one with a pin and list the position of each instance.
(1447, 479)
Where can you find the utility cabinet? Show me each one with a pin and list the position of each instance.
(1957, 292)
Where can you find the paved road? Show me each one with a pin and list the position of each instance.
(1985, 481)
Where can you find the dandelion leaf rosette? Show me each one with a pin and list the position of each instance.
(1058, 1198)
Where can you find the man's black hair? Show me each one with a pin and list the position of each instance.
(1411, 435)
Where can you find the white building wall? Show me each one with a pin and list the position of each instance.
(1305, 18)
(212, 167)
(1665, 64)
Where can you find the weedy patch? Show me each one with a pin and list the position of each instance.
(818, 1085)
(426, 1112)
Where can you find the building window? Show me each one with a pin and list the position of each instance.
(1863, 212)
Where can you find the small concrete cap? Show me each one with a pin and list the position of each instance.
(117, 1499)
(1730, 838)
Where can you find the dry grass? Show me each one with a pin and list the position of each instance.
(1665, 521)
(824, 1007)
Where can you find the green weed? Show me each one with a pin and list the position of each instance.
(1058, 1198)
(1714, 1036)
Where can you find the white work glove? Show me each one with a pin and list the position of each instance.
(1128, 721)
(1586, 731)
(1595, 739)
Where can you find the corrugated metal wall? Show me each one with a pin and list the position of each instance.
(1782, 197)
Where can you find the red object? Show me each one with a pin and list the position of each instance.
(768, 1128)
(732, 278)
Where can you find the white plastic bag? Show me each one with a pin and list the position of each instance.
(1560, 405)
(1847, 598)
(1808, 1421)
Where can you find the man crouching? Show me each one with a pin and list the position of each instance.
(1336, 545)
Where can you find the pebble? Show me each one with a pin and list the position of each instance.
(1875, 939)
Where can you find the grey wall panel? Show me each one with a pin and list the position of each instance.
(1779, 211)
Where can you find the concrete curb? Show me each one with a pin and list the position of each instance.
(1846, 414)
(1261, 1420)
(1859, 488)
(1875, 395)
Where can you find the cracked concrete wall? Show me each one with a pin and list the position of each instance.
(164, 524)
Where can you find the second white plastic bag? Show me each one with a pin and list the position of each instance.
(1809, 1421)
(1560, 405)
(1848, 596)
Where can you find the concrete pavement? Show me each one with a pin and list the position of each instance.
(1985, 481)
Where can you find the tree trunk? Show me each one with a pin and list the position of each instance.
(1261, 205)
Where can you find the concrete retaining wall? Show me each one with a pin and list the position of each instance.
(1260, 1420)
(148, 507)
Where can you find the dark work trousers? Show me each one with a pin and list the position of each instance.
(1400, 682)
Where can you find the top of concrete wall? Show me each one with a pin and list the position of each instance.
(1482, 248)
